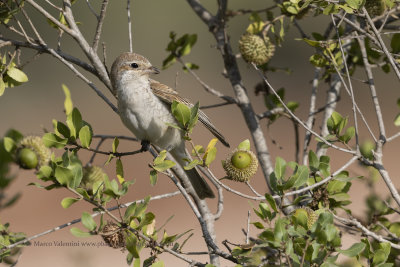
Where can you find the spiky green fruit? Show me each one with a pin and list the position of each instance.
(27, 158)
(255, 49)
(34, 144)
(93, 177)
(375, 7)
(240, 165)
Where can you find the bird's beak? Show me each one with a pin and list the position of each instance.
(153, 70)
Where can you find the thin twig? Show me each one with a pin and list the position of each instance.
(128, 9)
(357, 224)
(100, 20)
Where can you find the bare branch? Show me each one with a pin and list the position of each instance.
(100, 20)
(311, 114)
(382, 44)
(128, 9)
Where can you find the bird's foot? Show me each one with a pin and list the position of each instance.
(145, 146)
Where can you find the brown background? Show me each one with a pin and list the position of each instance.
(30, 108)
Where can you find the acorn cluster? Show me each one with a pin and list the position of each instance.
(255, 49)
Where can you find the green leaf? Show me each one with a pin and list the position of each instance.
(271, 202)
(313, 161)
(258, 225)
(181, 112)
(194, 115)
(301, 217)
(355, 4)
(245, 145)
(199, 149)
(324, 166)
(350, 132)
(380, 257)
(88, 221)
(160, 158)
(354, 250)
(148, 219)
(192, 164)
(2, 86)
(165, 165)
(334, 121)
(153, 177)
(280, 167)
(395, 43)
(161, 264)
(331, 232)
(17, 75)
(319, 60)
(74, 122)
(279, 230)
(169, 61)
(85, 135)
(120, 171)
(79, 233)
(8, 144)
(68, 105)
(62, 129)
(52, 140)
(397, 120)
(131, 245)
(115, 145)
(189, 41)
(302, 176)
(68, 201)
(210, 156)
(190, 66)
(63, 175)
(130, 211)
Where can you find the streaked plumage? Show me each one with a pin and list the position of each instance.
(144, 105)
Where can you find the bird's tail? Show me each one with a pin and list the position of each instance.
(203, 190)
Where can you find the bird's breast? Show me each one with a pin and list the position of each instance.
(147, 116)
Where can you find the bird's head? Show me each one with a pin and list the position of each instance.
(130, 66)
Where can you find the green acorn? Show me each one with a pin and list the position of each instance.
(93, 177)
(113, 235)
(255, 49)
(375, 7)
(32, 153)
(240, 165)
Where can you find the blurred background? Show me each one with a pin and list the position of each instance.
(30, 109)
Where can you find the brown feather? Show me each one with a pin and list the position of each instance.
(168, 95)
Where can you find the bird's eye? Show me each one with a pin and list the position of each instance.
(134, 65)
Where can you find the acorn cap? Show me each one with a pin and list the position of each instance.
(255, 49)
(240, 165)
(36, 145)
(113, 235)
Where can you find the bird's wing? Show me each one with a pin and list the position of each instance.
(168, 95)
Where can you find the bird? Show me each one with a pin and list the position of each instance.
(144, 106)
